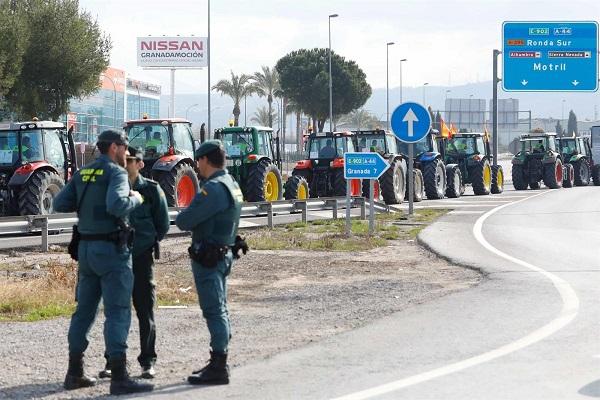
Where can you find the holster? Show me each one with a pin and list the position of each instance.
(73, 247)
(207, 254)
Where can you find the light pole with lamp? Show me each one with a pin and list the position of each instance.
(425, 84)
(188, 109)
(330, 78)
(114, 97)
(401, 61)
(387, 83)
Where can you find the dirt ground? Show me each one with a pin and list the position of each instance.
(278, 300)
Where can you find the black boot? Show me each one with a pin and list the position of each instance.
(105, 373)
(121, 383)
(216, 371)
(76, 379)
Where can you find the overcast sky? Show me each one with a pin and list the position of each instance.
(445, 42)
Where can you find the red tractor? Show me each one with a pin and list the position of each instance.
(36, 159)
(168, 148)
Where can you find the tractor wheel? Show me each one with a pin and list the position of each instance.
(553, 174)
(434, 177)
(37, 194)
(582, 172)
(534, 185)
(497, 179)
(393, 183)
(518, 177)
(482, 178)
(569, 176)
(596, 174)
(180, 185)
(296, 188)
(264, 182)
(454, 179)
(418, 187)
(339, 183)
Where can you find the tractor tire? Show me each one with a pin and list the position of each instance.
(518, 178)
(339, 183)
(365, 189)
(596, 174)
(454, 179)
(393, 183)
(482, 178)
(553, 174)
(264, 182)
(434, 177)
(582, 172)
(569, 176)
(497, 179)
(37, 194)
(418, 187)
(296, 188)
(534, 185)
(180, 185)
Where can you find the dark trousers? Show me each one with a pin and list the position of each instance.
(144, 298)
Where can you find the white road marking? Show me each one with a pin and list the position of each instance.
(465, 212)
(568, 312)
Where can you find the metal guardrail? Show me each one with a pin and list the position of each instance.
(58, 222)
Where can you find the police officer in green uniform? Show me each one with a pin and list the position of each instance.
(213, 217)
(100, 193)
(151, 224)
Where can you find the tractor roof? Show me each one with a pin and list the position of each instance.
(331, 134)
(15, 126)
(233, 129)
(371, 132)
(538, 135)
(163, 121)
(468, 134)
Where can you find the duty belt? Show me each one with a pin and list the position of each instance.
(107, 237)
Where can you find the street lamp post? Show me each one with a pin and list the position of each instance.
(114, 97)
(387, 83)
(188, 109)
(330, 78)
(137, 86)
(425, 84)
(401, 61)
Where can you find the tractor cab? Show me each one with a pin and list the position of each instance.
(377, 140)
(537, 144)
(36, 159)
(254, 160)
(168, 148)
(467, 146)
(539, 160)
(577, 151)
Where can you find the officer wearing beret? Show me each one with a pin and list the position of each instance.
(213, 217)
(151, 224)
(100, 194)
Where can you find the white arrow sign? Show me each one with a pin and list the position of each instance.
(410, 118)
(524, 82)
(575, 83)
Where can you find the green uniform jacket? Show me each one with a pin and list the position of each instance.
(214, 214)
(106, 199)
(151, 219)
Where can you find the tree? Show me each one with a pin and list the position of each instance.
(559, 129)
(64, 56)
(572, 123)
(13, 42)
(267, 84)
(304, 79)
(360, 119)
(263, 118)
(237, 88)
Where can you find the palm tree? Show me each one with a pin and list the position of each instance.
(360, 119)
(267, 84)
(262, 117)
(236, 88)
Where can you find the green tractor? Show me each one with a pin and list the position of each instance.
(471, 151)
(577, 153)
(254, 160)
(538, 160)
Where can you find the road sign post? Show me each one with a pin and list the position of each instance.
(557, 56)
(411, 122)
(363, 166)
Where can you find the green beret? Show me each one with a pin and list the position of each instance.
(207, 147)
(113, 136)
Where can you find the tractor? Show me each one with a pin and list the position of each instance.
(322, 172)
(538, 160)
(36, 159)
(577, 153)
(168, 148)
(254, 160)
(438, 179)
(392, 184)
(471, 151)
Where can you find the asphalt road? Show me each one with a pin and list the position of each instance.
(529, 331)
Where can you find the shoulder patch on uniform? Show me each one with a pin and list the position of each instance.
(152, 182)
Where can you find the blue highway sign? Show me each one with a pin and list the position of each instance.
(364, 165)
(550, 56)
(411, 122)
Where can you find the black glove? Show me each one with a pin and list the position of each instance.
(240, 244)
